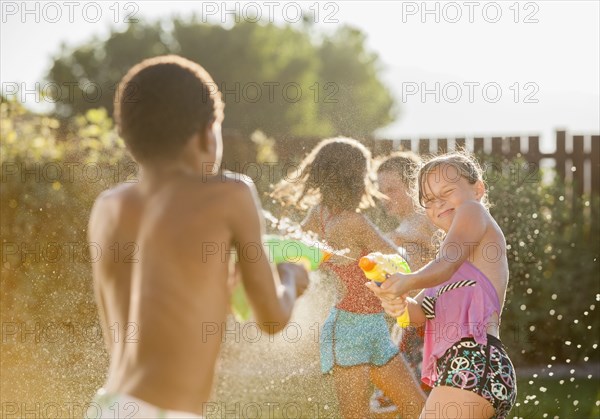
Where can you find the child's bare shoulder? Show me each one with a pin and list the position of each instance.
(114, 196)
(473, 208)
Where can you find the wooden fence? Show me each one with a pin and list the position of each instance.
(576, 158)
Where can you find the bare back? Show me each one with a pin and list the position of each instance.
(489, 256)
(167, 291)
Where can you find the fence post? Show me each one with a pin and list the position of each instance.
(497, 145)
(424, 146)
(560, 155)
(595, 164)
(533, 150)
(442, 145)
(578, 164)
(514, 146)
(478, 145)
(405, 145)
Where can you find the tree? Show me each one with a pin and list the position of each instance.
(279, 79)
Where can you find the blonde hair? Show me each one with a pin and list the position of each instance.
(463, 161)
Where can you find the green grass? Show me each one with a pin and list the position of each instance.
(569, 400)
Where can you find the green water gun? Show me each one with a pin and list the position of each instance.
(378, 267)
(295, 251)
(280, 250)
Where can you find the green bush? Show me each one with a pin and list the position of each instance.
(553, 260)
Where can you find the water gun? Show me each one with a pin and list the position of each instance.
(295, 251)
(378, 267)
(280, 250)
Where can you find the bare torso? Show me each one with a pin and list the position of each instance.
(163, 294)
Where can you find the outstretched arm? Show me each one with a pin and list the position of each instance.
(271, 292)
(465, 234)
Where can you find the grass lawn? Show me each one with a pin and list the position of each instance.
(575, 399)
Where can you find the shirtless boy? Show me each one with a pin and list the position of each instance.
(161, 295)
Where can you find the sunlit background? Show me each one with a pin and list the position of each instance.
(500, 78)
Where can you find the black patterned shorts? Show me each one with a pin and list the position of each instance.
(483, 369)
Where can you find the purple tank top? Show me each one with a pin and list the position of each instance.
(455, 309)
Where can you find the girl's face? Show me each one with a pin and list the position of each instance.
(444, 190)
(400, 202)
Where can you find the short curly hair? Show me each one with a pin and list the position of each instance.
(161, 102)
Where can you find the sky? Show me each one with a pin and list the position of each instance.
(463, 68)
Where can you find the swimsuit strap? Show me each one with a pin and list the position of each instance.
(428, 304)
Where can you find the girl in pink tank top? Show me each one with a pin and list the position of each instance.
(335, 182)
(463, 293)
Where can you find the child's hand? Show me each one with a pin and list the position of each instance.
(297, 272)
(393, 287)
(395, 307)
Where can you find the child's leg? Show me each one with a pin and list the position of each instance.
(398, 383)
(450, 402)
(352, 387)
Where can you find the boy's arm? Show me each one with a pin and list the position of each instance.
(271, 293)
(91, 237)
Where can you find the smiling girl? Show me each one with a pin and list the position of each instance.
(464, 290)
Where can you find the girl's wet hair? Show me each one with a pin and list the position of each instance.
(336, 173)
(464, 162)
(403, 163)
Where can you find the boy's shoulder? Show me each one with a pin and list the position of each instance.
(236, 188)
(114, 194)
(231, 181)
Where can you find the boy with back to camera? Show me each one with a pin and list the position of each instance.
(169, 115)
